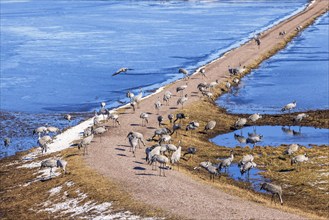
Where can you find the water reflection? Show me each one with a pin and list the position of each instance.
(254, 178)
(274, 136)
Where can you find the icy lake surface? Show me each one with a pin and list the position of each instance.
(299, 72)
(58, 56)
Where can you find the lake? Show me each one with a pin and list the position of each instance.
(59, 56)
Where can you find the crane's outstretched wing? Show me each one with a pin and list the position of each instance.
(121, 70)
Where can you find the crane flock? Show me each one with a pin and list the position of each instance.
(164, 152)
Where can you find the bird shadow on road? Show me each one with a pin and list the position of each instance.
(135, 125)
(151, 127)
(122, 155)
(138, 162)
(139, 168)
(145, 174)
(173, 108)
(120, 149)
(122, 145)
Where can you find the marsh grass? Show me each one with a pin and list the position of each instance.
(310, 184)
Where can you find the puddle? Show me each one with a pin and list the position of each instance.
(276, 135)
(255, 178)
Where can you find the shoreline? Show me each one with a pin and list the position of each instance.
(104, 157)
(220, 55)
(84, 124)
(100, 150)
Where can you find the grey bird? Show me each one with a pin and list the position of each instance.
(163, 160)
(241, 139)
(182, 100)
(68, 117)
(52, 129)
(137, 135)
(166, 97)
(288, 107)
(184, 71)
(240, 122)
(192, 126)
(175, 128)
(144, 116)
(52, 163)
(210, 126)
(181, 89)
(121, 70)
(226, 162)
(180, 116)
(247, 167)
(203, 72)
(190, 151)
(171, 118)
(158, 105)
(6, 142)
(40, 130)
(254, 139)
(213, 171)
(133, 144)
(274, 190)
(245, 159)
(85, 142)
(100, 130)
(160, 120)
(300, 117)
(160, 132)
(175, 157)
(291, 149)
(299, 159)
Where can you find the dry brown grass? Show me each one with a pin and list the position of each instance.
(25, 202)
(314, 203)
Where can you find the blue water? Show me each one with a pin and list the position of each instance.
(58, 56)
(276, 136)
(255, 177)
(299, 72)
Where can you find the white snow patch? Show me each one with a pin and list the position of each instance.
(55, 190)
(88, 210)
(46, 173)
(30, 165)
(69, 183)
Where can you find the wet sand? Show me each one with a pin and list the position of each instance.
(178, 193)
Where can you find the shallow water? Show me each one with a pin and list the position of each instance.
(58, 56)
(19, 128)
(254, 178)
(276, 136)
(299, 72)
